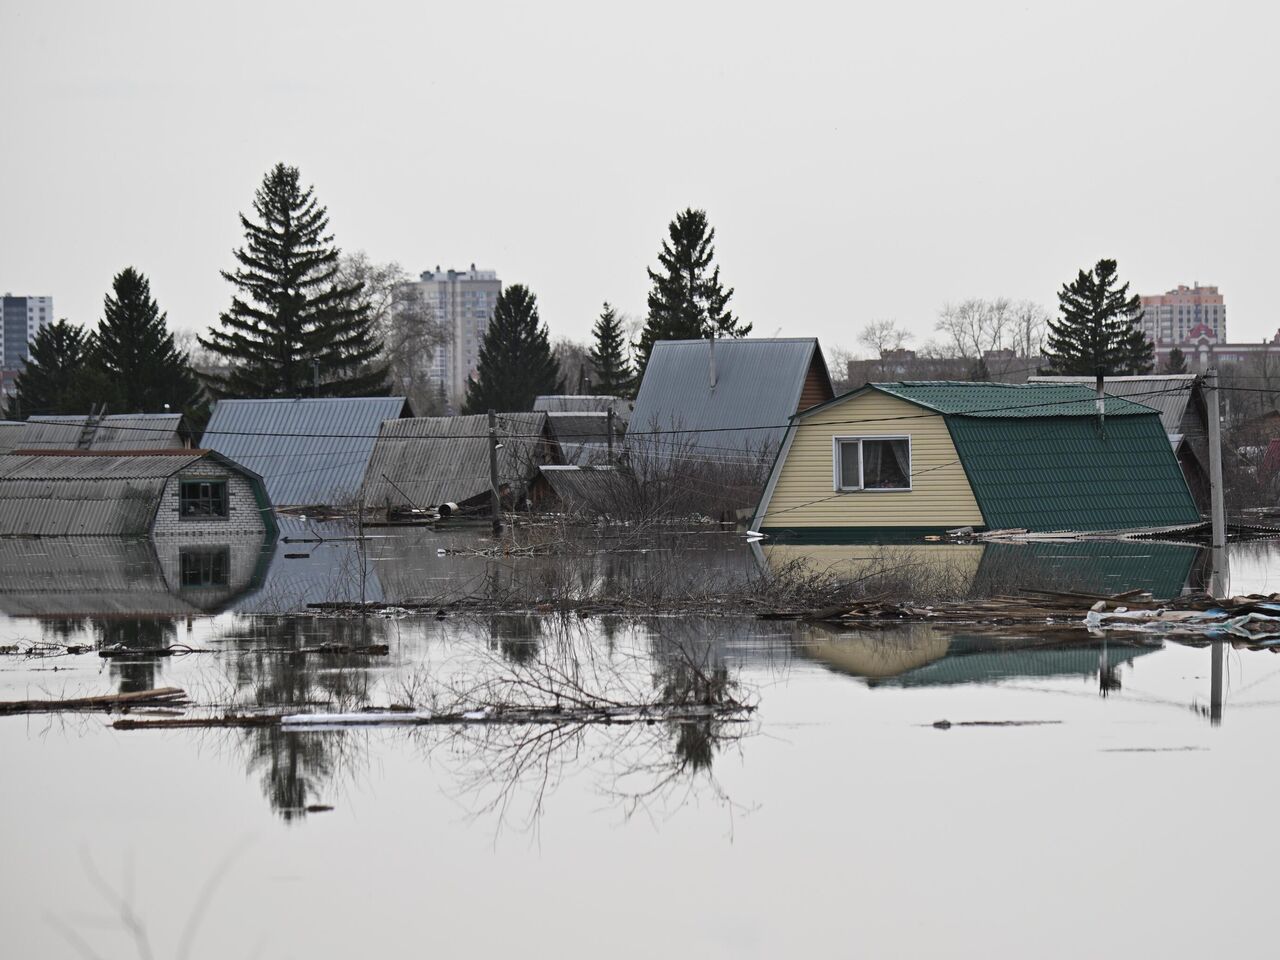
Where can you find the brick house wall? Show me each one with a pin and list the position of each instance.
(244, 517)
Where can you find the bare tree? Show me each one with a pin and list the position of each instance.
(406, 323)
(973, 327)
(574, 360)
(1029, 328)
(882, 336)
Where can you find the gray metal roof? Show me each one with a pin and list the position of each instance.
(11, 432)
(1168, 394)
(308, 451)
(134, 431)
(426, 461)
(593, 489)
(558, 403)
(583, 437)
(757, 389)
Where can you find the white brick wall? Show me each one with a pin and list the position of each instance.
(244, 518)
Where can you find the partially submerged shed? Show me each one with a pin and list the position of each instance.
(126, 431)
(309, 452)
(899, 461)
(725, 399)
(421, 463)
(1184, 414)
(130, 493)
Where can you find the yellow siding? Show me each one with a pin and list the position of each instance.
(952, 566)
(804, 495)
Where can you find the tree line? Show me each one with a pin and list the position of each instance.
(305, 320)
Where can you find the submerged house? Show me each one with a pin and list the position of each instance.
(309, 452)
(1184, 414)
(126, 431)
(900, 461)
(191, 494)
(423, 463)
(723, 400)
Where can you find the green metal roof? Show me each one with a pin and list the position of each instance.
(1062, 473)
(1088, 566)
(1005, 400)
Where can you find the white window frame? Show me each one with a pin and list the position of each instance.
(858, 438)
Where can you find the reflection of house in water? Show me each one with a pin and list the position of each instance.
(922, 655)
(1085, 566)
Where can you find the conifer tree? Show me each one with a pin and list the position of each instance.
(1175, 362)
(53, 380)
(1098, 330)
(614, 376)
(292, 317)
(687, 300)
(516, 364)
(135, 353)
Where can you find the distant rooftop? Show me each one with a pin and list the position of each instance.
(472, 274)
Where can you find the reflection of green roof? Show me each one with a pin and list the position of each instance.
(1086, 566)
(992, 666)
(1007, 400)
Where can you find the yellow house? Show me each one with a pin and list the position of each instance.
(893, 462)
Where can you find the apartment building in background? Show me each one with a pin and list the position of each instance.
(463, 300)
(20, 318)
(1184, 315)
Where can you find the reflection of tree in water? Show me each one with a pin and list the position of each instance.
(270, 672)
(516, 636)
(690, 668)
(62, 630)
(134, 634)
(509, 770)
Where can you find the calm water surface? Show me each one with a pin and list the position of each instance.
(837, 822)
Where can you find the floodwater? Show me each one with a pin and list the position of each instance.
(1128, 817)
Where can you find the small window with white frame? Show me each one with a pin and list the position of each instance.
(871, 463)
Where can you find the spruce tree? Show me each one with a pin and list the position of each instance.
(54, 379)
(687, 300)
(135, 353)
(614, 376)
(1175, 362)
(516, 364)
(292, 316)
(1098, 330)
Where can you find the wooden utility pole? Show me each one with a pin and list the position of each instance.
(495, 508)
(1217, 508)
(610, 460)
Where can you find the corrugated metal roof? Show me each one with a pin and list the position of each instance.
(1007, 400)
(1168, 394)
(11, 432)
(137, 431)
(595, 489)
(558, 403)
(583, 437)
(308, 451)
(757, 390)
(426, 461)
(1088, 566)
(1059, 473)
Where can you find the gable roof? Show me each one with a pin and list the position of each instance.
(88, 493)
(427, 461)
(307, 451)
(758, 384)
(1169, 394)
(120, 431)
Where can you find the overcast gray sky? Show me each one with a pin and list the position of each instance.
(858, 162)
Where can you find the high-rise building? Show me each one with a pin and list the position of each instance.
(20, 318)
(463, 300)
(1173, 318)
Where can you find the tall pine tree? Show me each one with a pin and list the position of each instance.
(54, 379)
(687, 300)
(1175, 362)
(293, 317)
(614, 376)
(516, 363)
(1098, 330)
(135, 353)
